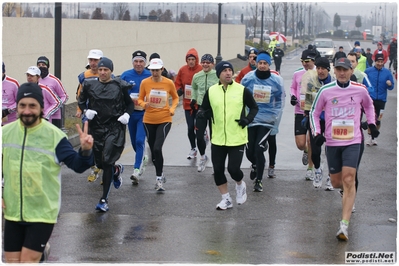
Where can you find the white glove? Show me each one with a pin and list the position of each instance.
(90, 114)
(124, 119)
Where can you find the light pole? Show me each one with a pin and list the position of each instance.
(219, 58)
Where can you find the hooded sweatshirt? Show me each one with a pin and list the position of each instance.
(185, 76)
(382, 51)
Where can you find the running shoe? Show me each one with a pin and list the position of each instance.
(252, 175)
(373, 142)
(95, 173)
(192, 154)
(118, 176)
(369, 141)
(328, 186)
(318, 178)
(46, 253)
(241, 196)
(342, 233)
(206, 138)
(353, 208)
(258, 187)
(143, 164)
(102, 206)
(305, 159)
(135, 176)
(202, 164)
(159, 185)
(225, 204)
(309, 174)
(271, 173)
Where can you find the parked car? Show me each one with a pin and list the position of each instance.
(326, 47)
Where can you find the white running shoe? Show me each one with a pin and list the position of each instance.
(342, 233)
(328, 186)
(353, 208)
(159, 185)
(309, 175)
(192, 154)
(241, 196)
(143, 164)
(202, 164)
(225, 204)
(135, 176)
(270, 173)
(305, 159)
(318, 178)
(368, 141)
(373, 142)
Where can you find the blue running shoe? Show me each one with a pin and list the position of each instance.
(102, 206)
(118, 177)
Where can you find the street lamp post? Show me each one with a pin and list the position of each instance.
(219, 58)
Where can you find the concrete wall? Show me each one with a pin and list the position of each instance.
(25, 39)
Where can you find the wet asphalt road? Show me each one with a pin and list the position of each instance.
(290, 222)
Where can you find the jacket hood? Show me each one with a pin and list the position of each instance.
(193, 52)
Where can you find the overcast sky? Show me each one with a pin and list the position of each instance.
(354, 8)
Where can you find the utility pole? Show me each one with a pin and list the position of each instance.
(219, 58)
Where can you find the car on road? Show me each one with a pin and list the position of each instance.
(326, 47)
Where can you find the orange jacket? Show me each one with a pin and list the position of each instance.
(243, 72)
(185, 76)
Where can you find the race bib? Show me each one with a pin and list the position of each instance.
(158, 98)
(343, 129)
(187, 91)
(302, 101)
(262, 93)
(135, 97)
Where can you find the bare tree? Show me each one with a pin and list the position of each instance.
(211, 18)
(48, 14)
(184, 17)
(97, 14)
(126, 16)
(167, 16)
(119, 9)
(28, 12)
(275, 10)
(285, 11)
(255, 14)
(19, 11)
(8, 9)
(197, 18)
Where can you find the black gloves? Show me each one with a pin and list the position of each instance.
(374, 131)
(5, 112)
(243, 122)
(180, 92)
(294, 100)
(304, 122)
(192, 104)
(319, 139)
(364, 125)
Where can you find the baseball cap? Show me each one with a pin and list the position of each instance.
(343, 62)
(155, 63)
(33, 70)
(95, 54)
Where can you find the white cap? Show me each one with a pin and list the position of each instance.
(33, 70)
(156, 63)
(95, 54)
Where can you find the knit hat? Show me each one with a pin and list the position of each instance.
(207, 57)
(357, 43)
(31, 90)
(44, 60)
(343, 62)
(264, 56)
(139, 55)
(323, 62)
(308, 54)
(154, 55)
(4, 68)
(379, 57)
(253, 52)
(222, 66)
(106, 62)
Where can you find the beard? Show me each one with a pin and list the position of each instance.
(29, 120)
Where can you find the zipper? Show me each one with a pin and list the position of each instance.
(20, 172)
(224, 113)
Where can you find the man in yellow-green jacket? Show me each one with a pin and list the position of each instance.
(225, 103)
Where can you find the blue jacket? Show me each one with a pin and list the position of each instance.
(378, 79)
(270, 97)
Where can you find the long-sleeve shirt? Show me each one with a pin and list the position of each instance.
(51, 102)
(157, 94)
(56, 86)
(343, 109)
(295, 88)
(9, 94)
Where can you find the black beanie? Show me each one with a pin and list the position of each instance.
(222, 66)
(44, 60)
(106, 62)
(154, 55)
(323, 62)
(31, 90)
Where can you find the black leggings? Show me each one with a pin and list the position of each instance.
(316, 150)
(256, 148)
(271, 140)
(200, 127)
(190, 120)
(156, 135)
(219, 155)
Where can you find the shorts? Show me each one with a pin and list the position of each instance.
(379, 107)
(29, 235)
(339, 156)
(298, 128)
